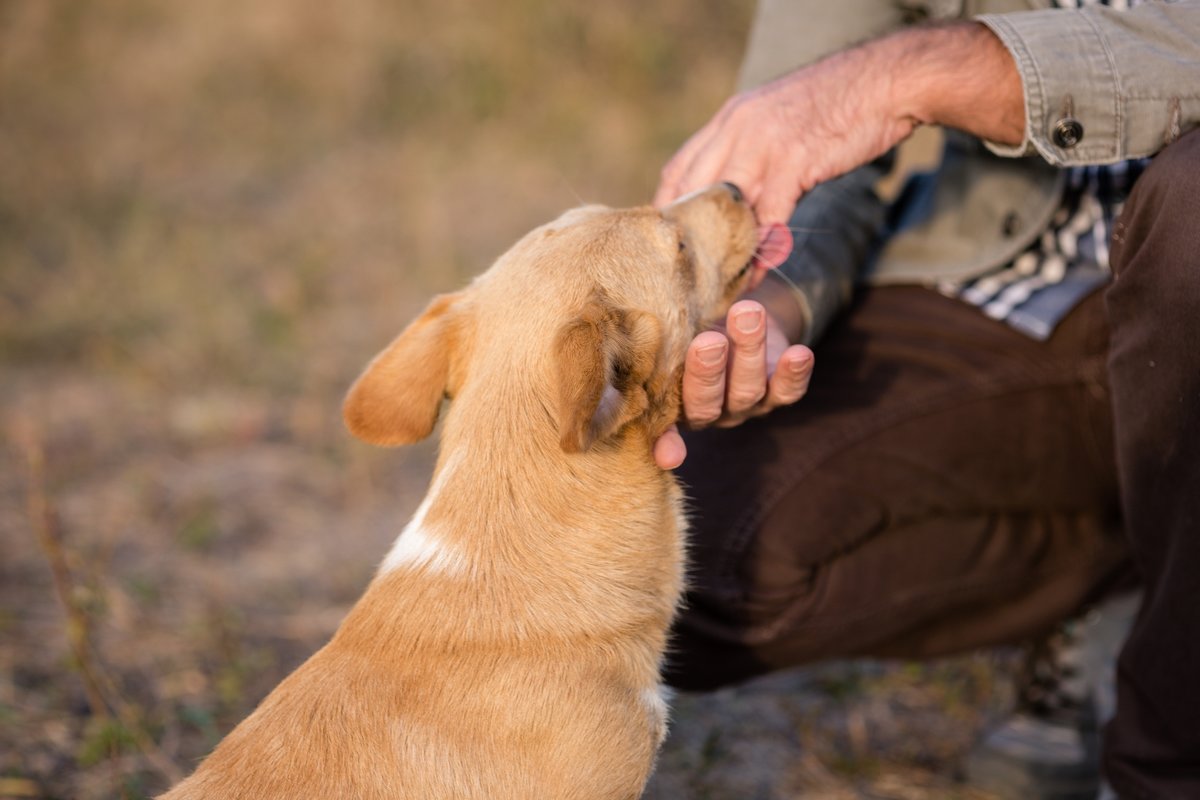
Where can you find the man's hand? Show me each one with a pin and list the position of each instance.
(731, 374)
(778, 141)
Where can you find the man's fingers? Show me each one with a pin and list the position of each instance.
(790, 381)
(747, 381)
(672, 173)
(720, 151)
(708, 163)
(722, 161)
(675, 173)
(778, 198)
(704, 379)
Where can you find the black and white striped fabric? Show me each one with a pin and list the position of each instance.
(1035, 291)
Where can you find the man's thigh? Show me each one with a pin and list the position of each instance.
(946, 483)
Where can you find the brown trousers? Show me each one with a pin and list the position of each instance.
(949, 483)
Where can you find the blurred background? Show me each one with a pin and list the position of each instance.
(211, 215)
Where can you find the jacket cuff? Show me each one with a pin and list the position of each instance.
(1070, 84)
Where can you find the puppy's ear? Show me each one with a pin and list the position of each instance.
(605, 358)
(396, 399)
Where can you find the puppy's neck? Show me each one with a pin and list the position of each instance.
(506, 441)
(531, 541)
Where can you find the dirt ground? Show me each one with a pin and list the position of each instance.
(211, 215)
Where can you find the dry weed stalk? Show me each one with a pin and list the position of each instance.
(103, 696)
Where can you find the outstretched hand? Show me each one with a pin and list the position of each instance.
(736, 371)
(778, 141)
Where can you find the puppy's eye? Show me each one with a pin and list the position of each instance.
(682, 245)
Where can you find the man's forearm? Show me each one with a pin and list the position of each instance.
(957, 75)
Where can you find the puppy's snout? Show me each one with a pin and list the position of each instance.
(738, 197)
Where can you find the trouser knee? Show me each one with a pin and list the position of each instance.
(1162, 210)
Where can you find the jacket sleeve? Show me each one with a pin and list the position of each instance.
(836, 228)
(1103, 85)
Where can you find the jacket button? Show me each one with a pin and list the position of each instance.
(1067, 132)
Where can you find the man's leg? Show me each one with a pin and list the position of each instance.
(1152, 747)
(946, 484)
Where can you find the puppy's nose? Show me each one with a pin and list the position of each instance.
(734, 190)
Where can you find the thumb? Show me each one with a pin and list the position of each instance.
(669, 450)
(777, 200)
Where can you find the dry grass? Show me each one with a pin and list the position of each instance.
(211, 214)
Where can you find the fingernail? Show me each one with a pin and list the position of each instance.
(748, 321)
(711, 355)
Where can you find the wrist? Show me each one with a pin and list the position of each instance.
(958, 75)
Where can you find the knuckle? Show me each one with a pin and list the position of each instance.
(706, 376)
(704, 396)
(787, 392)
(746, 397)
(750, 353)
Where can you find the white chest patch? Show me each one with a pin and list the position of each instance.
(419, 544)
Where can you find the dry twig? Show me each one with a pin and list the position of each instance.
(103, 697)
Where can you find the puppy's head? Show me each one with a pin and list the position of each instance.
(584, 322)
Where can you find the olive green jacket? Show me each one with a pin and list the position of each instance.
(1100, 85)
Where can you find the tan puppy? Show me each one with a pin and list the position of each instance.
(510, 645)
